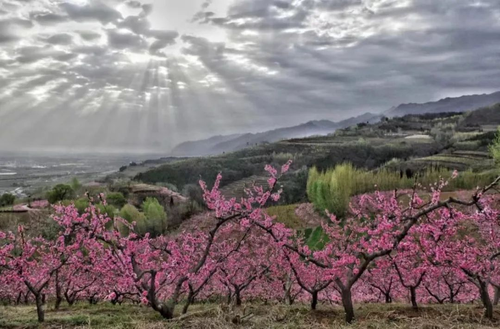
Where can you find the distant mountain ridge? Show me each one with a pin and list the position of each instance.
(456, 104)
(229, 143)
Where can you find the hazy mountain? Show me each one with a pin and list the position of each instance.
(201, 147)
(220, 144)
(457, 104)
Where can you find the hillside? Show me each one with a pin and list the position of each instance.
(413, 142)
(457, 104)
(230, 143)
(486, 118)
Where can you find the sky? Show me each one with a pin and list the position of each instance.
(143, 76)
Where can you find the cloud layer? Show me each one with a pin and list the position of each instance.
(144, 76)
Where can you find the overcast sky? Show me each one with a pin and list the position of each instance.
(145, 75)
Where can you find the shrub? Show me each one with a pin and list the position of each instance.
(108, 210)
(75, 184)
(59, 193)
(81, 204)
(7, 199)
(495, 148)
(130, 214)
(332, 189)
(155, 221)
(116, 199)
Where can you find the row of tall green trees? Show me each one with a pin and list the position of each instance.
(333, 189)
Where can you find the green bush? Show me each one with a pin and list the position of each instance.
(116, 199)
(332, 189)
(495, 148)
(108, 210)
(7, 199)
(130, 214)
(81, 204)
(75, 184)
(155, 220)
(59, 193)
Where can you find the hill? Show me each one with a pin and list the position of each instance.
(413, 142)
(457, 104)
(230, 143)
(486, 118)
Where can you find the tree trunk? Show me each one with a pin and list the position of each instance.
(288, 291)
(237, 295)
(58, 292)
(347, 303)
(186, 307)
(388, 298)
(496, 296)
(485, 298)
(58, 302)
(18, 300)
(452, 295)
(413, 298)
(314, 301)
(39, 308)
(27, 298)
(189, 300)
(228, 300)
(167, 310)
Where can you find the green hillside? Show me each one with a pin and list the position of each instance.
(413, 142)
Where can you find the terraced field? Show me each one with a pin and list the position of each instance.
(236, 189)
(460, 160)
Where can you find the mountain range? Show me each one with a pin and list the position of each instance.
(228, 143)
(456, 104)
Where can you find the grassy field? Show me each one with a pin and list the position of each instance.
(253, 315)
(286, 215)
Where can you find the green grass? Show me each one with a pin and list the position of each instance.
(286, 215)
(253, 315)
(104, 315)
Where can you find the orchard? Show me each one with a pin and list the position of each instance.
(390, 246)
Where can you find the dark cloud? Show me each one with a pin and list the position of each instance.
(94, 10)
(146, 9)
(138, 25)
(133, 4)
(90, 50)
(125, 40)
(7, 37)
(11, 29)
(14, 22)
(32, 54)
(89, 35)
(48, 18)
(60, 39)
(163, 35)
